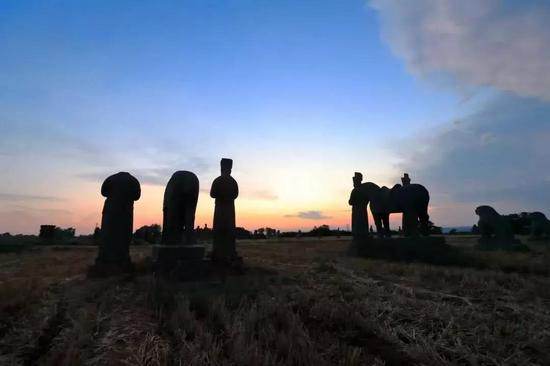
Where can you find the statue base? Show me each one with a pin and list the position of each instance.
(539, 239)
(498, 244)
(426, 249)
(105, 269)
(182, 262)
(232, 264)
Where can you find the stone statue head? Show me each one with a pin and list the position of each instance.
(226, 166)
(357, 179)
(405, 180)
(486, 211)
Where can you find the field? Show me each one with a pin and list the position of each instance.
(300, 302)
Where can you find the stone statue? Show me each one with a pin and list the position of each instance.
(178, 255)
(358, 201)
(496, 230)
(405, 180)
(410, 199)
(180, 202)
(121, 190)
(224, 190)
(540, 226)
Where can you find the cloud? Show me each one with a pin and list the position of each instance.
(497, 155)
(37, 138)
(498, 43)
(157, 176)
(310, 215)
(260, 194)
(15, 197)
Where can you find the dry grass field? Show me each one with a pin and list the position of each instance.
(300, 302)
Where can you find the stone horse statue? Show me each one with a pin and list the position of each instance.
(410, 199)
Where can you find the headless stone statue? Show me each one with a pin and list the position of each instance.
(224, 190)
(178, 255)
(121, 190)
(180, 204)
(359, 217)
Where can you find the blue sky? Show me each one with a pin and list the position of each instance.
(300, 94)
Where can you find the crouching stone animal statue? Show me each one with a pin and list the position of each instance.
(540, 226)
(496, 230)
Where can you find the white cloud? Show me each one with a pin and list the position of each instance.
(497, 155)
(499, 43)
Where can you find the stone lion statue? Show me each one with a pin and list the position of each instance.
(496, 230)
(540, 225)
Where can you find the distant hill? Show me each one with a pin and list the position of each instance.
(459, 229)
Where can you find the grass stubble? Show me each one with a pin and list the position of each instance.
(299, 303)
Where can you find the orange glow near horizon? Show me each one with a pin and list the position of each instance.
(288, 202)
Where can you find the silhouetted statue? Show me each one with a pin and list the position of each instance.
(540, 225)
(405, 180)
(121, 190)
(496, 230)
(410, 199)
(178, 255)
(224, 190)
(180, 203)
(358, 201)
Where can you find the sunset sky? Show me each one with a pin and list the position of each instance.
(300, 94)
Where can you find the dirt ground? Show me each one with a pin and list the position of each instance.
(300, 302)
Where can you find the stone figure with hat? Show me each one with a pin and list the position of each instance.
(224, 190)
(405, 180)
(359, 217)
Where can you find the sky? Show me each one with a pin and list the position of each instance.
(300, 94)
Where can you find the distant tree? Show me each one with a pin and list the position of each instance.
(434, 230)
(269, 232)
(204, 233)
(97, 233)
(149, 233)
(242, 233)
(52, 232)
(259, 233)
(323, 230)
(47, 232)
(65, 233)
(475, 229)
(452, 232)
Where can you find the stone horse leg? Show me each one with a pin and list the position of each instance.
(424, 223)
(378, 217)
(386, 222)
(415, 223)
(410, 223)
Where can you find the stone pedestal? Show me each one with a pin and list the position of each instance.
(105, 268)
(180, 261)
(539, 239)
(493, 243)
(430, 249)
